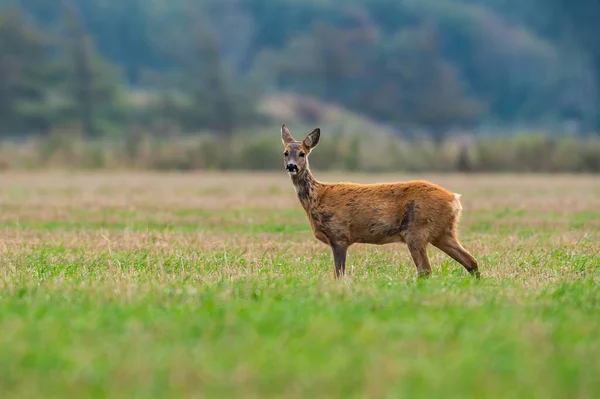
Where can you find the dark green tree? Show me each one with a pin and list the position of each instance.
(578, 21)
(90, 83)
(221, 99)
(24, 76)
(430, 92)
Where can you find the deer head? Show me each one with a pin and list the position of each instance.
(295, 154)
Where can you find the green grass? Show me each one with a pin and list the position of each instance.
(73, 332)
(154, 299)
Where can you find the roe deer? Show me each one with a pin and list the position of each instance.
(341, 214)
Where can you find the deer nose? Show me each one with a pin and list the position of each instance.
(291, 167)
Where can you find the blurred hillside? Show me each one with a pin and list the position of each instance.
(417, 68)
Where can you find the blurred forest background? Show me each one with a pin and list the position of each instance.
(396, 85)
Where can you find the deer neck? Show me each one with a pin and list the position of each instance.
(305, 185)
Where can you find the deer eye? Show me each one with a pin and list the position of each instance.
(301, 155)
(285, 154)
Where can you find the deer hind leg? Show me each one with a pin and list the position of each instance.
(418, 251)
(451, 246)
(339, 259)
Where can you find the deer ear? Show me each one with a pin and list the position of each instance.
(312, 139)
(286, 136)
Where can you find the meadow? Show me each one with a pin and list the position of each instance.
(139, 285)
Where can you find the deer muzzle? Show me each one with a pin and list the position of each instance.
(291, 168)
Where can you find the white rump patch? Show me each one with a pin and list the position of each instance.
(457, 204)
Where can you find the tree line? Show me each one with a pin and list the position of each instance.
(183, 65)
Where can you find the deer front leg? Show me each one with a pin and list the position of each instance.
(339, 259)
(418, 251)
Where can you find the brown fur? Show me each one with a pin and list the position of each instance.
(341, 214)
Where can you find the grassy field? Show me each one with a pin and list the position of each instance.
(211, 285)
